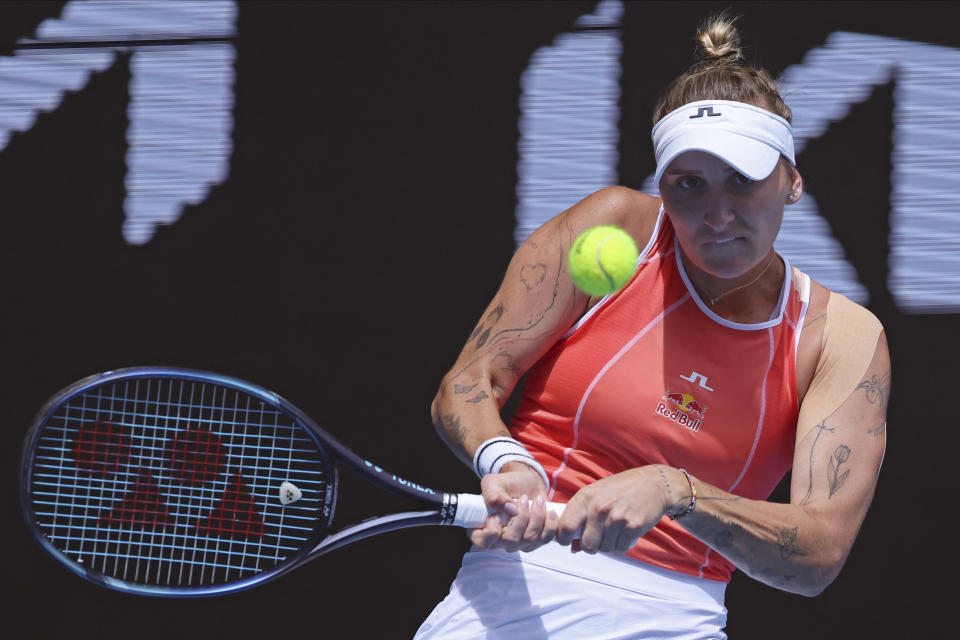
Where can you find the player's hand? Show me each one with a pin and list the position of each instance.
(522, 522)
(614, 512)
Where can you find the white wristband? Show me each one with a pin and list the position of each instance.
(496, 452)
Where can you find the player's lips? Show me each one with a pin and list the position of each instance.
(721, 240)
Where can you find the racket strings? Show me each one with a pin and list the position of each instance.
(196, 455)
(174, 482)
(101, 448)
(144, 506)
(236, 516)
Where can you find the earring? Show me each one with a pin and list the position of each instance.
(794, 196)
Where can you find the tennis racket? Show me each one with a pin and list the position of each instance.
(172, 482)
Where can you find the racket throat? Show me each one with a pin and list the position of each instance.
(372, 527)
(448, 510)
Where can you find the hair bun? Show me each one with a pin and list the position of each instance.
(719, 74)
(719, 41)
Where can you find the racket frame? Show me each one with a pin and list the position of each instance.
(443, 506)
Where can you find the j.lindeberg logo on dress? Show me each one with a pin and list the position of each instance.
(699, 378)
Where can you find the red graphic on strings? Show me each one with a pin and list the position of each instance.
(196, 456)
(101, 448)
(236, 514)
(143, 507)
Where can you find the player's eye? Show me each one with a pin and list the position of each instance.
(740, 179)
(689, 182)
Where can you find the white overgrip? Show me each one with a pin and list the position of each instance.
(472, 511)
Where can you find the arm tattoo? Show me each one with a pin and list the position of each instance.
(460, 389)
(533, 275)
(666, 481)
(774, 576)
(836, 479)
(821, 427)
(453, 428)
(534, 320)
(480, 397)
(487, 340)
(787, 541)
(483, 330)
(509, 365)
(877, 389)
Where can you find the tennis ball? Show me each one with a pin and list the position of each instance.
(602, 259)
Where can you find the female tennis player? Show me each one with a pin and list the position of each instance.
(665, 414)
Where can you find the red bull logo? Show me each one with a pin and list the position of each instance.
(682, 408)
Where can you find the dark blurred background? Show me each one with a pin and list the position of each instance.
(367, 208)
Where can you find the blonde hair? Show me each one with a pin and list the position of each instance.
(719, 74)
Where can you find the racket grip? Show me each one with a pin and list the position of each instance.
(472, 510)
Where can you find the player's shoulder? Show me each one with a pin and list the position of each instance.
(838, 335)
(618, 200)
(632, 210)
(839, 311)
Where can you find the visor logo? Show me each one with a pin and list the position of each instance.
(708, 111)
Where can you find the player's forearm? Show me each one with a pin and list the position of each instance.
(783, 545)
(465, 414)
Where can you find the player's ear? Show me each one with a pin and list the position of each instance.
(796, 185)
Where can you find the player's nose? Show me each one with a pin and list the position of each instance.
(718, 215)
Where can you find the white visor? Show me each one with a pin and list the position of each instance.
(748, 138)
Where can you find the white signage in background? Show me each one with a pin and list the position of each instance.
(181, 93)
(569, 118)
(924, 206)
(570, 130)
(181, 120)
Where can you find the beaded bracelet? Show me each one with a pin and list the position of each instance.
(693, 496)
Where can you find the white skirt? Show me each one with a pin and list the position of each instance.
(552, 593)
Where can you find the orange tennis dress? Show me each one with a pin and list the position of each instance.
(651, 375)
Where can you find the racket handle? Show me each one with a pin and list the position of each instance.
(472, 510)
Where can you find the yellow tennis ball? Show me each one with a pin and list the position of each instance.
(602, 259)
